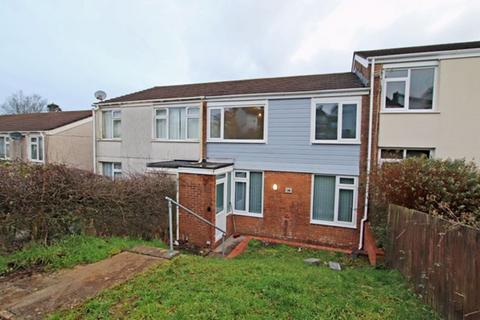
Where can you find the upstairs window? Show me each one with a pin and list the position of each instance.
(4, 147)
(112, 124)
(35, 148)
(335, 121)
(408, 89)
(237, 123)
(179, 123)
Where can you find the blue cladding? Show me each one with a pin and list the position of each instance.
(288, 146)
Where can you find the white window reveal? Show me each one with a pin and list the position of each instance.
(236, 123)
(335, 121)
(35, 148)
(409, 89)
(177, 123)
(112, 170)
(112, 124)
(334, 200)
(398, 154)
(4, 147)
(248, 192)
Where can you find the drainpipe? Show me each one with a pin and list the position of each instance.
(369, 155)
(94, 123)
(202, 124)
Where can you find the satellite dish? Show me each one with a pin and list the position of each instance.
(15, 135)
(100, 95)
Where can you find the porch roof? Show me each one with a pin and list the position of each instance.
(193, 164)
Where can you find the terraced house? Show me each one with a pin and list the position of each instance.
(286, 157)
(49, 137)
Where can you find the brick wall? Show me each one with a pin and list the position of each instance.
(287, 215)
(377, 102)
(197, 192)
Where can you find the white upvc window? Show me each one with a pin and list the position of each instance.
(4, 147)
(112, 170)
(398, 154)
(238, 122)
(112, 124)
(409, 89)
(334, 200)
(335, 120)
(177, 123)
(248, 193)
(36, 148)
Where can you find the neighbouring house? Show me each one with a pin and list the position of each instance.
(425, 101)
(48, 137)
(288, 157)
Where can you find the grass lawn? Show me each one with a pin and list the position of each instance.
(266, 282)
(67, 252)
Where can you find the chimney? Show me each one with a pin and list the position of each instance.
(52, 107)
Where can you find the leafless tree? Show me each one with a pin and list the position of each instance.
(19, 103)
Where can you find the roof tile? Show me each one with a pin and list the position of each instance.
(41, 121)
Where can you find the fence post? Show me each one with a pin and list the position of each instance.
(170, 227)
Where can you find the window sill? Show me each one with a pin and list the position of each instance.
(175, 141)
(109, 140)
(36, 161)
(246, 214)
(333, 224)
(335, 142)
(409, 112)
(237, 141)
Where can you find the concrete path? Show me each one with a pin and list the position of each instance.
(35, 296)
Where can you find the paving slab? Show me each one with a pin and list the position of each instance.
(35, 296)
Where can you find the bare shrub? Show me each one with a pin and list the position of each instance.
(446, 188)
(48, 202)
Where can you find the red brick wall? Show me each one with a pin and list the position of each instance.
(197, 192)
(287, 215)
(377, 100)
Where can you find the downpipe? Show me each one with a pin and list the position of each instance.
(369, 156)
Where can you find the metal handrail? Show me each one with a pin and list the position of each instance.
(170, 222)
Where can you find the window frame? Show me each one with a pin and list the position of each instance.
(113, 169)
(166, 117)
(113, 121)
(7, 144)
(340, 101)
(404, 153)
(338, 186)
(37, 136)
(409, 67)
(246, 180)
(238, 104)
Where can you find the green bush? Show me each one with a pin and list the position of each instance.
(446, 188)
(46, 202)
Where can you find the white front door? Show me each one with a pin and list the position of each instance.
(220, 206)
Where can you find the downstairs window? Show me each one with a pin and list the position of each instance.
(334, 200)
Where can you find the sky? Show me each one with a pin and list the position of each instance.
(66, 50)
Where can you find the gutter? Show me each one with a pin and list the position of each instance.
(460, 53)
(369, 155)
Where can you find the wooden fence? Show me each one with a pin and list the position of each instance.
(441, 260)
